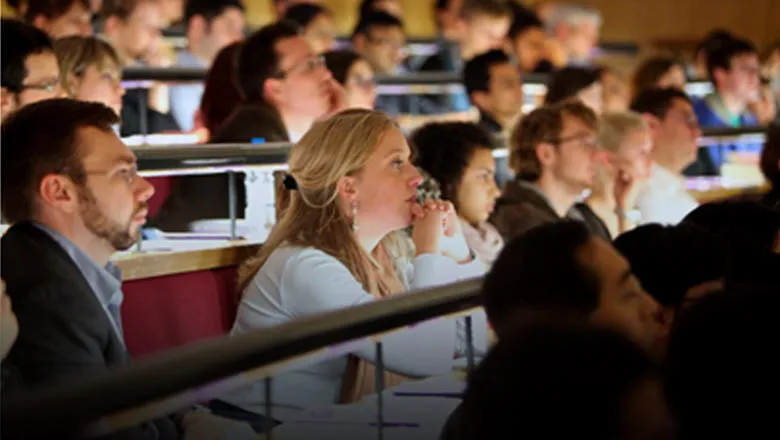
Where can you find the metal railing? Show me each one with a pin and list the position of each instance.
(105, 402)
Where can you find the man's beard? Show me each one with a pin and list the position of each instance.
(120, 236)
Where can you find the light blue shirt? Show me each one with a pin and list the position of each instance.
(185, 98)
(105, 282)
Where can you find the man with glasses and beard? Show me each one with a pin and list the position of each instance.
(73, 197)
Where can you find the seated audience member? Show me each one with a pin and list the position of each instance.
(752, 232)
(712, 41)
(392, 7)
(133, 27)
(172, 12)
(221, 95)
(625, 137)
(481, 26)
(90, 71)
(658, 72)
(576, 82)
(354, 169)
(563, 382)
(286, 87)
(316, 24)
(664, 198)
(495, 88)
(459, 157)
(770, 167)
(60, 18)
(526, 39)
(721, 369)
(614, 90)
(554, 153)
(677, 265)
(29, 67)
(734, 68)
(211, 25)
(356, 75)
(574, 34)
(73, 198)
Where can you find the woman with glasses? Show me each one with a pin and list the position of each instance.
(90, 71)
(356, 76)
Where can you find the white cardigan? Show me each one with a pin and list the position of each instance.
(296, 282)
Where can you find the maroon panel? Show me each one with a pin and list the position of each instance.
(164, 312)
(162, 188)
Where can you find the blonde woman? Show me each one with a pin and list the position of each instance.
(90, 71)
(338, 244)
(625, 138)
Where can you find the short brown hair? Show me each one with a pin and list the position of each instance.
(544, 124)
(41, 139)
(121, 9)
(492, 8)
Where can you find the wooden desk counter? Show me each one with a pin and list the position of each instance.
(169, 258)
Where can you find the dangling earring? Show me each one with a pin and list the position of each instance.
(354, 217)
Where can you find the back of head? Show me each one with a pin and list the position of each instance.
(476, 72)
(650, 71)
(770, 159)
(543, 124)
(444, 149)
(30, 153)
(722, 366)
(303, 14)
(76, 54)
(566, 83)
(548, 381)
(657, 101)
(27, 40)
(339, 62)
(221, 94)
(332, 148)
(720, 57)
(670, 260)
(258, 59)
(541, 271)
(523, 18)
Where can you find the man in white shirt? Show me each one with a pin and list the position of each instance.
(675, 131)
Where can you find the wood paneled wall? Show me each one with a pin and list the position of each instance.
(641, 21)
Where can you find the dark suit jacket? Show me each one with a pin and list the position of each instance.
(520, 209)
(206, 197)
(64, 333)
(154, 121)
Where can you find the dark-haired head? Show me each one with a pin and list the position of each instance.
(562, 268)
(722, 369)
(564, 381)
(316, 24)
(527, 37)
(459, 156)
(75, 177)
(379, 37)
(213, 24)
(356, 75)
(575, 82)
(60, 18)
(259, 58)
(221, 94)
(392, 7)
(734, 68)
(22, 85)
(658, 72)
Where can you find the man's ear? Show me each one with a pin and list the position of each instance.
(111, 25)
(7, 102)
(481, 99)
(59, 192)
(347, 189)
(546, 153)
(272, 91)
(196, 29)
(653, 123)
(359, 43)
(41, 22)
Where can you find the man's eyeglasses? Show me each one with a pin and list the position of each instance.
(50, 86)
(128, 175)
(309, 65)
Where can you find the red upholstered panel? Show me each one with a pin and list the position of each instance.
(164, 312)
(162, 188)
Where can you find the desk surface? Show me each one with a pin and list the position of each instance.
(169, 257)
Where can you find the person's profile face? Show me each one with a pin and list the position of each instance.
(385, 48)
(43, 79)
(506, 90)
(304, 87)
(679, 132)
(360, 85)
(576, 156)
(113, 200)
(477, 192)
(742, 78)
(100, 84)
(623, 303)
(529, 48)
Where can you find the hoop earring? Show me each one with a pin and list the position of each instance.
(354, 217)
